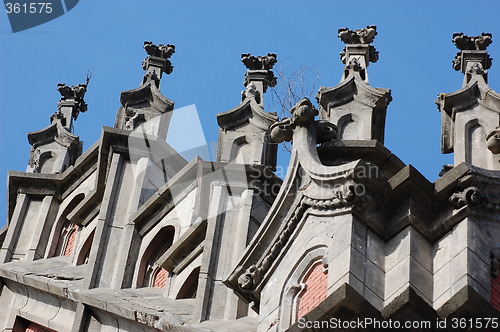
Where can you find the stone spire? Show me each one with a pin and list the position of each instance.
(471, 115)
(70, 105)
(157, 63)
(358, 52)
(259, 75)
(146, 106)
(472, 57)
(55, 147)
(243, 134)
(356, 108)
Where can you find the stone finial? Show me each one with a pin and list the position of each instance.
(265, 62)
(157, 61)
(71, 103)
(358, 36)
(472, 57)
(358, 49)
(259, 73)
(472, 43)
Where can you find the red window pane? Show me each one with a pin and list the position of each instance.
(314, 293)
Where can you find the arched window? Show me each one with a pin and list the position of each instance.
(150, 273)
(67, 239)
(313, 292)
(84, 255)
(64, 233)
(306, 286)
(190, 286)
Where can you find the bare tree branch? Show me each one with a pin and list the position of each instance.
(292, 86)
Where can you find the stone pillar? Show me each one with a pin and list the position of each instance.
(471, 115)
(145, 109)
(356, 108)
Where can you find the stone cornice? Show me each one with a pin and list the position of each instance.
(248, 111)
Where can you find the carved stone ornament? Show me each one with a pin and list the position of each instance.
(35, 164)
(249, 279)
(282, 131)
(259, 69)
(265, 62)
(457, 63)
(467, 196)
(354, 39)
(471, 43)
(343, 195)
(251, 92)
(493, 140)
(358, 36)
(74, 96)
(158, 56)
(160, 51)
(303, 114)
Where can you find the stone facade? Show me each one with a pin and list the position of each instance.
(130, 236)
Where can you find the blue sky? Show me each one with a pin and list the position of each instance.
(106, 38)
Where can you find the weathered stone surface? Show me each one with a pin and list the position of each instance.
(227, 245)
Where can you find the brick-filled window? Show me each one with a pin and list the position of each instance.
(150, 273)
(314, 292)
(160, 278)
(495, 291)
(71, 238)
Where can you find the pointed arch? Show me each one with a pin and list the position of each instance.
(310, 266)
(475, 140)
(190, 286)
(150, 274)
(63, 232)
(348, 126)
(84, 253)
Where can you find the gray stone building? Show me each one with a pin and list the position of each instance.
(130, 236)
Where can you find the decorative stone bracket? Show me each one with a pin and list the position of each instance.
(493, 140)
(303, 114)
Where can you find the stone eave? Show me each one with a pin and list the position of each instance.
(459, 100)
(158, 205)
(59, 185)
(159, 311)
(247, 111)
(461, 175)
(54, 132)
(146, 93)
(371, 150)
(348, 90)
(476, 91)
(185, 244)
